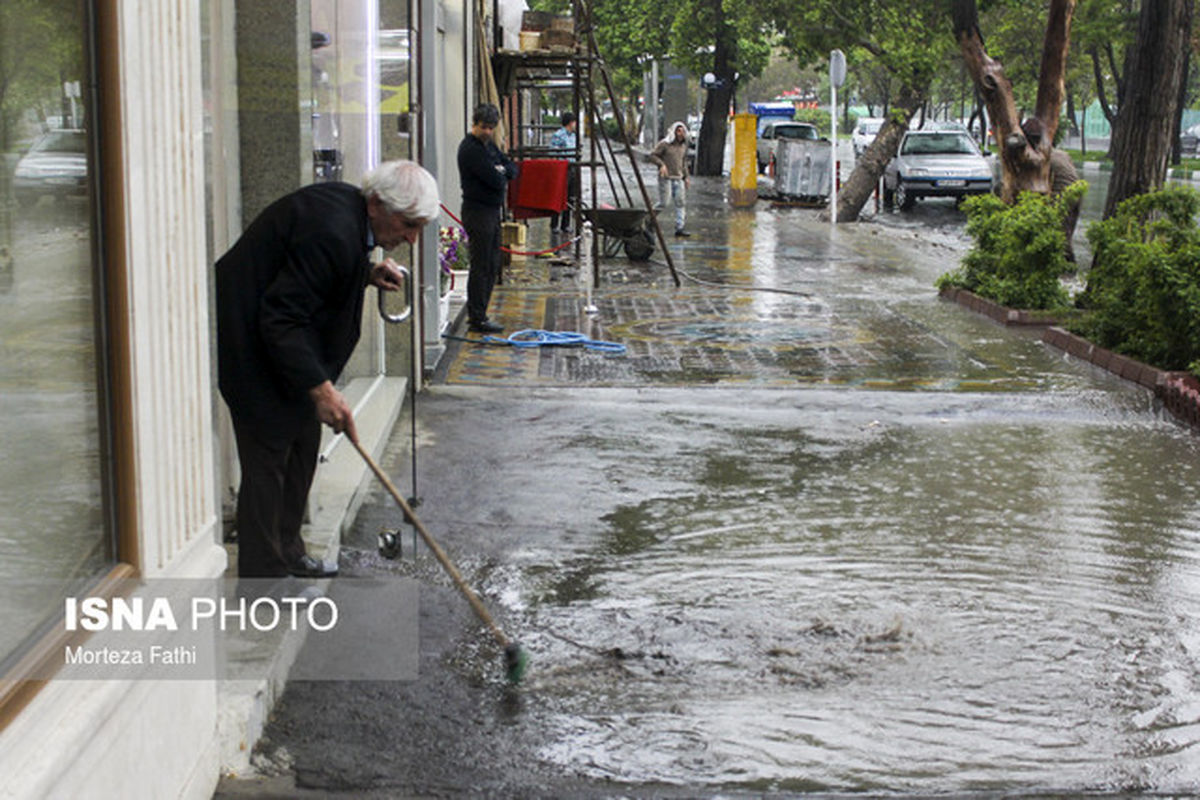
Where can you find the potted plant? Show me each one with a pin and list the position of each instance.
(452, 255)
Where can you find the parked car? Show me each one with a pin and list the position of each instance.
(693, 140)
(56, 165)
(935, 163)
(772, 132)
(864, 133)
(1189, 142)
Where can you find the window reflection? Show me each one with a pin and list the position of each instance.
(52, 529)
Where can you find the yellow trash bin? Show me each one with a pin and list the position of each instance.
(743, 174)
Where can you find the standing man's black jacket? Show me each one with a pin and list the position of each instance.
(482, 184)
(289, 305)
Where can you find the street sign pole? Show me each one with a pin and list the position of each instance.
(837, 76)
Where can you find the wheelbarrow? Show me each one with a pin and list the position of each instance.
(623, 227)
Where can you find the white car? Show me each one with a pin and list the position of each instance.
(935, 163)
(772, 132)
(55, 166)
(864, 133)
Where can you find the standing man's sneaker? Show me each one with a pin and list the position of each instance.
(484, 326)
(681, 232)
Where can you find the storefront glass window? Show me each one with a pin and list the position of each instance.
(53, 533)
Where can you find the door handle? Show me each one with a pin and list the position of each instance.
(381, 296)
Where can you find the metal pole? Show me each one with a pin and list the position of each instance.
(833, 154)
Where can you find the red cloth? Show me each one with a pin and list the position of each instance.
(540, 188)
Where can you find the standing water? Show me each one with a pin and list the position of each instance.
(849, 538)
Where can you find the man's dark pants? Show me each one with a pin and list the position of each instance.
(273, 498)
(482, 224)
(563, 221)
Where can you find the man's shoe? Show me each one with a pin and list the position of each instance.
(309, 567)
(682, 232)
(484, 326)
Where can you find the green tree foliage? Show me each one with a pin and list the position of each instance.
(1015, 32)
(907, 40)
(1019, 250)
(41, 46)
(910, 42)
(698, 24)
(729, 38)
(626, 33)
(1143, 292)
(1100, 33)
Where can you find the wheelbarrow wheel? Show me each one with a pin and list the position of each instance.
(639, 246)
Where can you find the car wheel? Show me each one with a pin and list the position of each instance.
(904, 199)
(762, 168)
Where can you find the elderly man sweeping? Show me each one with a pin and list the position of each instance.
(289, 310)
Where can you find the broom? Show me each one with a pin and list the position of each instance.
(515, 658)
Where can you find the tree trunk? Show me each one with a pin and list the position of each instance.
(1180, 104)
(1154, 67)
(868, 169)
(1025, 168)
(710, 150)
(1083, 131)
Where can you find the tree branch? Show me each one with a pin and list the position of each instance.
(1101, 94)
(1054, 65)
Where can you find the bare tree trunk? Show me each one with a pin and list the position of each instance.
(868, 168)
(1180, 104)
(710, 150)
(1025, 168)
(1154, 67)
(1101, 93)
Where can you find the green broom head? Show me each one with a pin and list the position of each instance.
(515, 662)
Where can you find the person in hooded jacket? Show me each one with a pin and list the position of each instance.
(670, 155)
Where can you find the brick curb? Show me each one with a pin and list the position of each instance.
(989, 308)
(1179, 391)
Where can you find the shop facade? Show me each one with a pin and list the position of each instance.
(138, 139)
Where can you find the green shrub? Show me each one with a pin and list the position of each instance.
(1143, 291)
(1020, 250)
(816, 116)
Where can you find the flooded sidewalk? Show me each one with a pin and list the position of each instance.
(817, 531)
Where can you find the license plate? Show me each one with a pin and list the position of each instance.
(953, 183)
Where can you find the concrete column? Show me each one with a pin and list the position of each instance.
(274, 57)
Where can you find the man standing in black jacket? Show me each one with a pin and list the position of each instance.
(289, 308)
(483, 173)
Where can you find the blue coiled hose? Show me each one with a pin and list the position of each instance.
(534, 337)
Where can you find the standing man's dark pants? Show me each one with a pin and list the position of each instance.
(273, 498)
(482, 224)
(563, 220)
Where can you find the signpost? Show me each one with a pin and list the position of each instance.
(837, 76)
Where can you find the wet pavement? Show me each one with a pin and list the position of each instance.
(816, 532)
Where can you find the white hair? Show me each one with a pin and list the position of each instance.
(404, 187)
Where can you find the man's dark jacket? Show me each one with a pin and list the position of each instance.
(289, 305)
(482, 184)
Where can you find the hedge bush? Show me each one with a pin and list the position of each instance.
(1020, 250)
(1143, 290)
